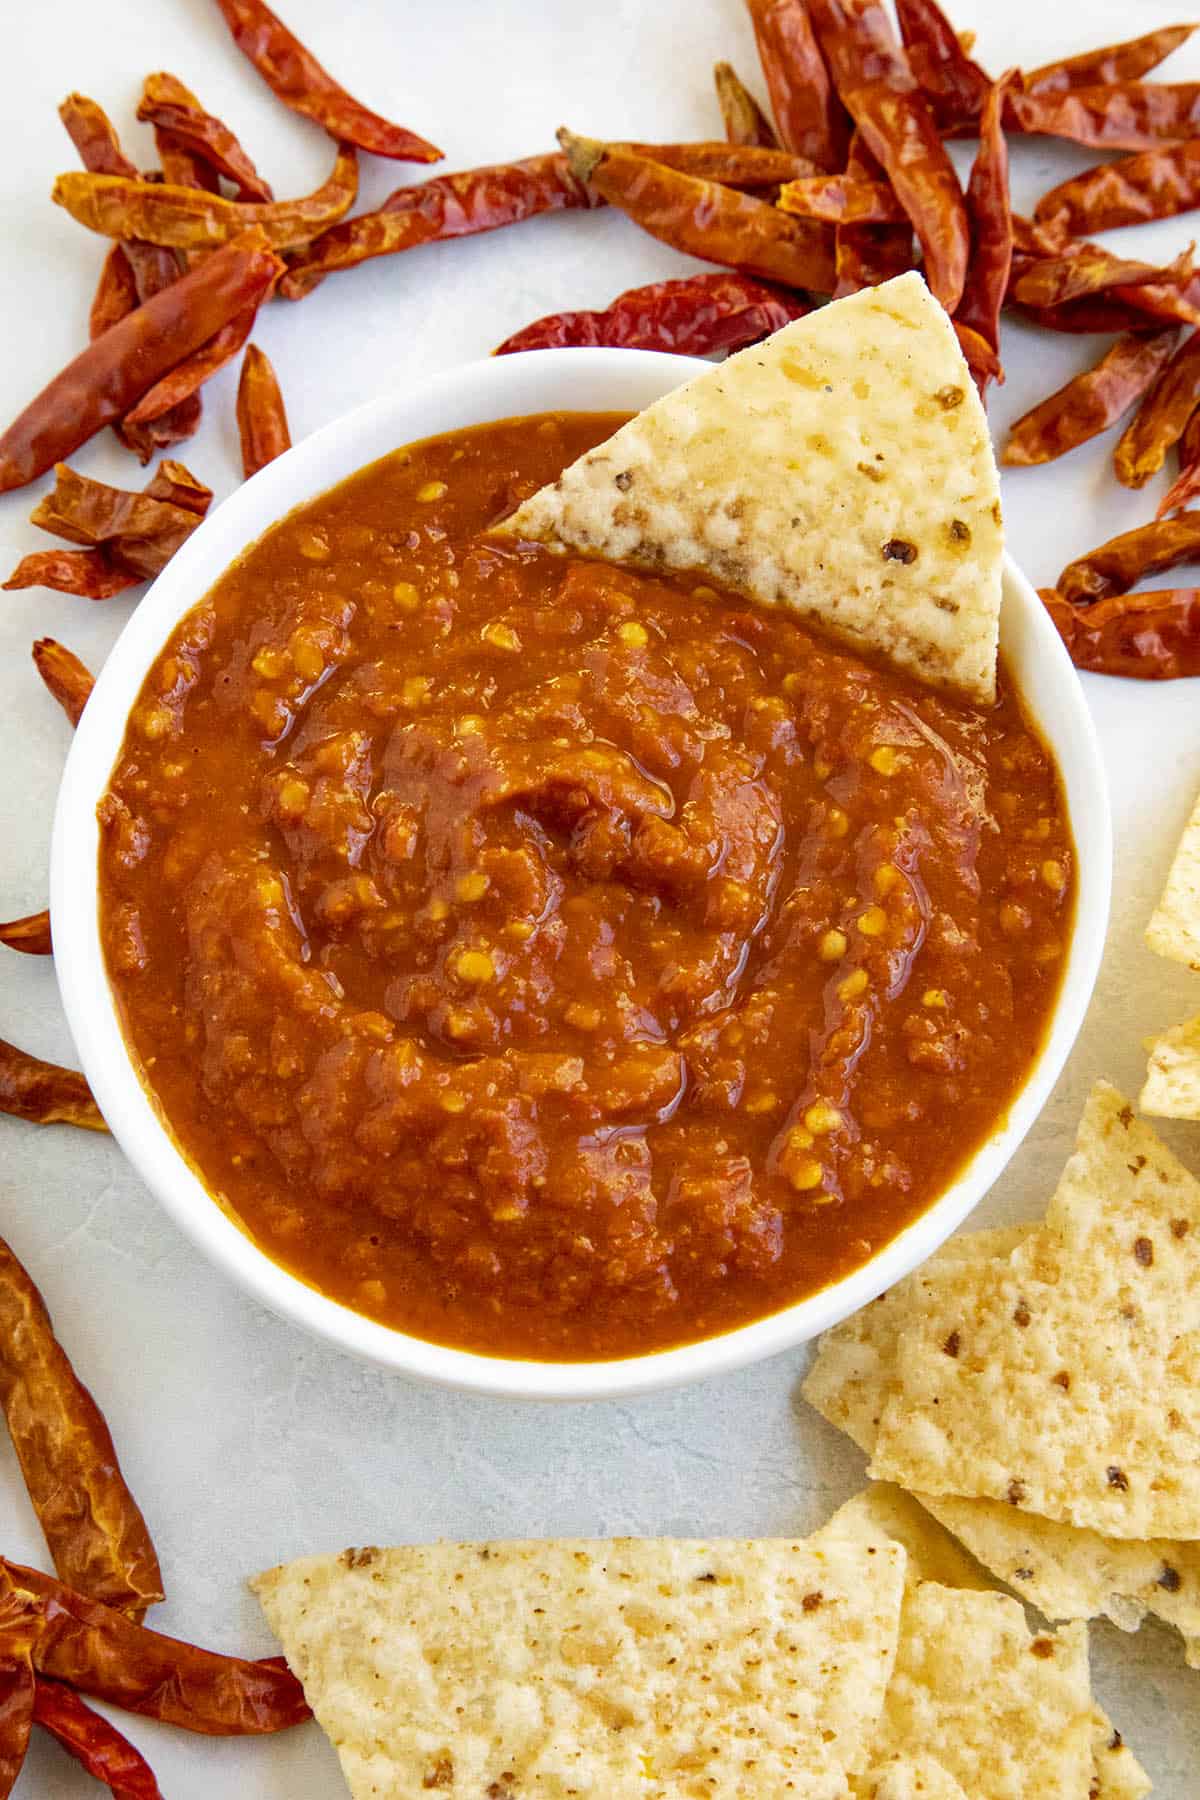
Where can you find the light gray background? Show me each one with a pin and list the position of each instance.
(245, 1442)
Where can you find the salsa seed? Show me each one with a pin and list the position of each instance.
(438, 910)
(837, 822)
(799, 1139)
(473, 886)
(155, 722)
(293, 798)
(270, 663)
(887, 876)
(1054, 876)
(822, 769)
(314, 547)
(474, 966)
(414, 690)
(935, 997)
(454, 1102)
(761, 1103)
(406, 596)
(521, 929)
(583, 1018)
(807, 1174)
(833, 946)
(822, 1118)
(873, 922)
(500, 636)
(633, 635)
(853, 985)
(430, 490)
(884, 760)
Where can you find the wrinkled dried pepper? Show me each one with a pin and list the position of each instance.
(298, 79)
(141, 532)
(44, 1093)
(169, 106)
(744, 119)
(89, 574)
(865, 255)
(261, 415)
(182, 382)
(93, 1526)
(1087, 269)
(448, 206)
(703, 218)
(101, 1652)
(116, 292)
(30, 935)
(1186, 485)
(982, 360)
(70, 681)
(694, 316)
(1155, 184)
(187, 219)
(1114, 567)
(872, 76)
(1130, 115)
(1147, 637)
(105, 380)
(1091, 402)
(98, 1747)
(1160, 420)
(1101, 315)
(990, 214)
(734, 165)
(955, 85)
(841, 200)
(20, 1624)
(808, 113)
(1113, 62)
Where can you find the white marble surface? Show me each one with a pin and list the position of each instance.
(245, 1441)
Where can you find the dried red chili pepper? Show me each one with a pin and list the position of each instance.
(183, 381)
(187, 219)
(116, 292)
(1186, 485)
(448, 206)
(93, 1526)
(1160, 420)
(170, 106)
(99, 1651)
(30, 935)
(990, 214)
(174, 482)
(983, 362)
(872, 76)
(1148, 637)
(298, 79)
(865, 255)
(261, 415)
(956, 86)
(1114, 62)
(694, 316)
(1091, 402)
(1087, 269)
(1102, 315)
(105, 380)
(1129, 115)
(1114, 567)
(1155, 184)
(808, 112)
(153, 267)
(744, 119)
(96, 1746)
(734, 165)
(20, 1623)
(703, 218)
(140, 532)
(842, 200)
(70, 681)
(89, 574)
(44, 1093)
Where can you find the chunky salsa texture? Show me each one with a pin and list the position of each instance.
(553, 959)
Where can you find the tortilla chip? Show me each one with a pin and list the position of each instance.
(1066, 1380)
(842, 469)
(1066, 1572)
(659, 1669)
(1007, 1713)
(1118, 1773)
(1174, 930)
(1172, 1089)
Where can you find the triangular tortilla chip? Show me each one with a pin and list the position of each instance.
(1065, 1572)
(913, 1777)
(1007, 1713)
(1172, 1089)
(634, 1669)
(1174, 930)
(1067, 1379)
(842, 469)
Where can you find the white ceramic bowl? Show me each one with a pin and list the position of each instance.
(581, 380)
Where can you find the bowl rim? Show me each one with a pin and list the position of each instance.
(482, 391)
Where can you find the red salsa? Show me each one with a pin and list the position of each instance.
(553, 959)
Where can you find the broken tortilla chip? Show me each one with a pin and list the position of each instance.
(1172, 1089)
(1174, 930)
(1066, 1380)
(647, 1668)
(842, 469)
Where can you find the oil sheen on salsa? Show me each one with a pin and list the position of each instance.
(553, 959)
